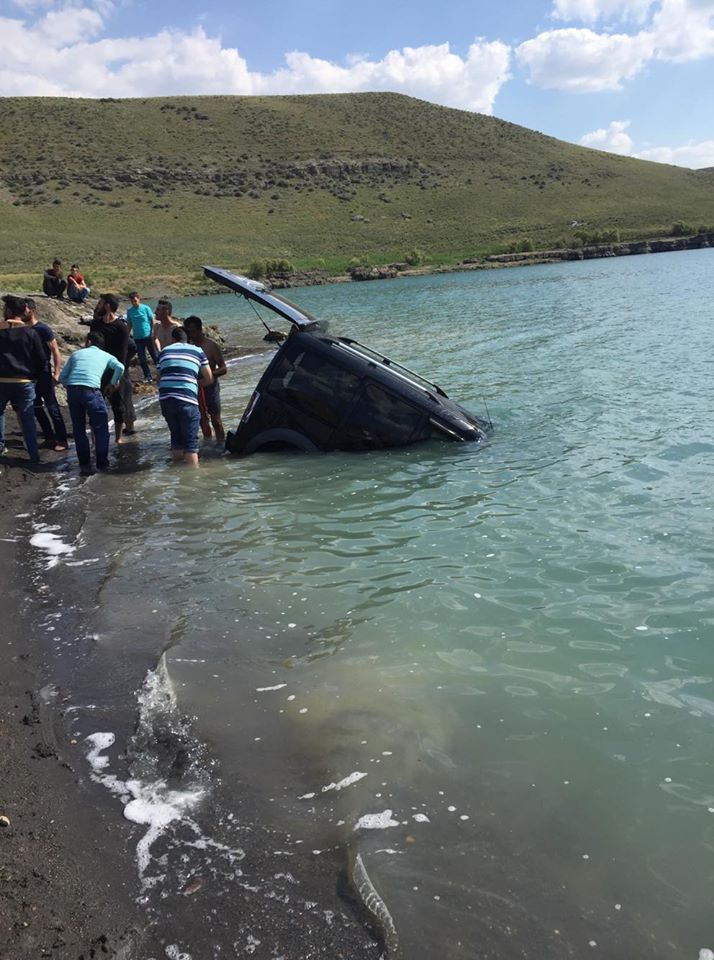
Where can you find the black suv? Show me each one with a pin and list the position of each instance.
(333, 393)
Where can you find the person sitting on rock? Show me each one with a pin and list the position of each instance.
(77, 289)
(53, 282)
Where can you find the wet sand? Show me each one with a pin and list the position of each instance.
(67, 877)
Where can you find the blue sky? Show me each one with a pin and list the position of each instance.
(631, 76)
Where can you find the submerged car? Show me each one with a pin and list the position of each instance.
(321, 392)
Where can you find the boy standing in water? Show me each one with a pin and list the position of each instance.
(82, 378)
(182, 367)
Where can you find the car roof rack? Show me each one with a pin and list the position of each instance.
(397, 368)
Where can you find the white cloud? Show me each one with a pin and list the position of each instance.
(684, 30)
(431, 72)
(583, 61)
(176, 62)
(590, 11)
(613, 138)
(693, 155)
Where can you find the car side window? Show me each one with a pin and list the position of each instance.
(315, 386)
(383, 414)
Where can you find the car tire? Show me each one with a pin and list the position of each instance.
(280, 438)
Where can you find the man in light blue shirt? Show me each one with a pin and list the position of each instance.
(140, 318)
(83, 376)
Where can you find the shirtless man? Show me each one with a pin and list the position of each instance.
(164, 325)
(211, 406)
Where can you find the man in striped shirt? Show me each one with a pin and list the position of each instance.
(181, 368)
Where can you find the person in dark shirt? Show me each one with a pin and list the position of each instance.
(53, 283)
(50, 420)
(13, 310)
(116, 341)
(22, 360)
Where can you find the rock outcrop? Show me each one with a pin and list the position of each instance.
(597, 251)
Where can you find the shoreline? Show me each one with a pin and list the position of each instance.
(59, 829)
(390, 271)
(57, 899)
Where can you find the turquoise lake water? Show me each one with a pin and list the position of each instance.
(500, 657)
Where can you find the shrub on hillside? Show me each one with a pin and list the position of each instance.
(269, 268)
(595, 239)
(681, 229)
(520, 246)
(415, 257)
(256, 271)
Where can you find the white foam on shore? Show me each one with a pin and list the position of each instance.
(340, 785)
(376, 821)
(155, 807)
(345, 782)
(100, 742)
(152, 805)
(148, 799)
(51, 544)
(173, 952)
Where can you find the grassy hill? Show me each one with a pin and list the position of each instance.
(144, 191)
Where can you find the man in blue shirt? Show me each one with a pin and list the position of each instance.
(83, 375)
(181, 368)
(140, 318)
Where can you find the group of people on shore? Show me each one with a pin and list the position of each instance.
(54, 283)
(188, 367)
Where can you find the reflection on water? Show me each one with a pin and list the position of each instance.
(502, 656)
